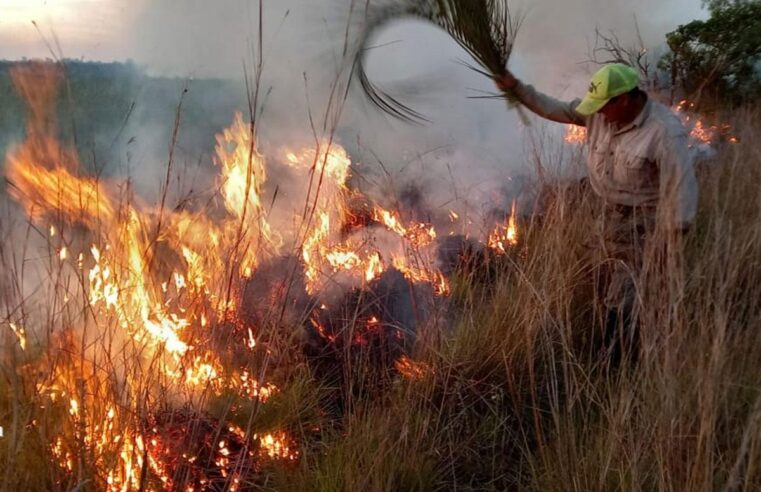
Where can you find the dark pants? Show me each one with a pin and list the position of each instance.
(619, 247)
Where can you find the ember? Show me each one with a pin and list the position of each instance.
(412, 369)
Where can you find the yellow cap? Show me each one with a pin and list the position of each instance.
(610, 81)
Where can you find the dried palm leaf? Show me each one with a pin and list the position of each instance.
(485, 29)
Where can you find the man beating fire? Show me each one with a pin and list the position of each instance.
(640, 166)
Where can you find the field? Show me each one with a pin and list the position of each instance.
(214, 341)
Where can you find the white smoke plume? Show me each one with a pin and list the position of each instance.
(470, 147)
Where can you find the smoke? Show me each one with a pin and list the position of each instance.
(555, 44)
(471, 144)
(467, 158)
(89, 29)
(472, 156)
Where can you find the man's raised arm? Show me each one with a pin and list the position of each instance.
(542, 104)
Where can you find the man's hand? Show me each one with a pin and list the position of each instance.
(507, 82)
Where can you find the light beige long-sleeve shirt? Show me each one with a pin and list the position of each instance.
(646, 163)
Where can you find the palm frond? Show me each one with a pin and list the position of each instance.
(485, 29)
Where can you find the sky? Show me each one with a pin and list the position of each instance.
(204, 37)
(479, 139)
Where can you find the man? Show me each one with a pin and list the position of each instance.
(640, 166)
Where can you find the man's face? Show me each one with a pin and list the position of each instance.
(617, 109)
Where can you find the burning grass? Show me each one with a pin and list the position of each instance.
(159, 348)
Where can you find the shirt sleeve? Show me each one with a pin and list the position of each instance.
(549, 107)
(678, 184)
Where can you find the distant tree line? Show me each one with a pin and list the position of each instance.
(105, 109)
(84, 69)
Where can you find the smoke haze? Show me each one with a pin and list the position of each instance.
(471, 147)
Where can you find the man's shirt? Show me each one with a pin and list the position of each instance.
(647, 163)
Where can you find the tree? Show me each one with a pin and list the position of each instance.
(719, 57)
(715, 5)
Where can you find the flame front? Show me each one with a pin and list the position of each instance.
(154, 321)
(153, 278)
(157, 285)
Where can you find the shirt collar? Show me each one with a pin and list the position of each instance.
(639, 120)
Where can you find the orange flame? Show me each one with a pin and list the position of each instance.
(418, 235)
(20, 333)
(575, 135)
(244, 174)
(277, 445)
(329, 160)
(428, 275)
(374, 267)
(145, 319)
(411, 369)
(158, 282)
(700, 132)
(504, 236)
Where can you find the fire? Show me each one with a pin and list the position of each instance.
(311, 247)
(324, 253)
(417, 274)
(575, 135)
(100, 427)
(20, 333)
(419, 235)
(41, 172)
(343, 259)
(157, 290)
(326, 250)
(504, 236)
(244, 174)
(251, 387)
(242, 168)
(277, 445)
(200, 372)
(156, 325)
(390, 220)
(329, 160)
(411, 369)
(700, 131)
(374, 267)
(41, 189)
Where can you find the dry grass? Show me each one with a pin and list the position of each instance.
(516, 396)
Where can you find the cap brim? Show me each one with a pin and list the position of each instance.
(590, 106)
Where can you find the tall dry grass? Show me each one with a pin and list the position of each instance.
(517, 395)
(520, 397)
